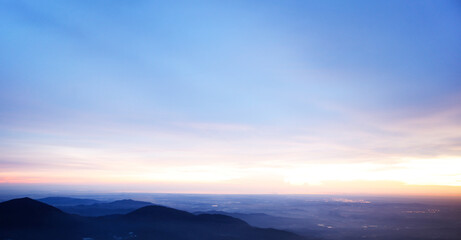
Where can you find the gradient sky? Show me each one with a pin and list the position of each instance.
(231, 96)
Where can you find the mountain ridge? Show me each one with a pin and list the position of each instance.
(95, 208)
(150, 222)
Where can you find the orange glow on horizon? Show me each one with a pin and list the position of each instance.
(252, 186)
(410, 176)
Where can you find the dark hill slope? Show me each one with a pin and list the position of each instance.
(25, 218)
(27, 212)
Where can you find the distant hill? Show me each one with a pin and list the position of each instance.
(93, 208)
(67, 201)
(27, 219)
(101, 209)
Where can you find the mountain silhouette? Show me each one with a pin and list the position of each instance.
(155, 212)
(27, 219)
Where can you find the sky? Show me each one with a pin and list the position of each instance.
(306, 97)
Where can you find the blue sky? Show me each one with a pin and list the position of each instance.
(239, 88)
